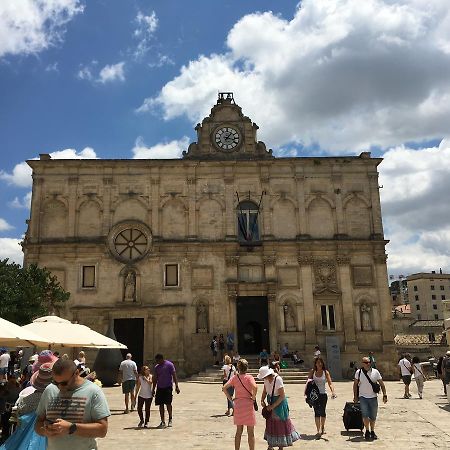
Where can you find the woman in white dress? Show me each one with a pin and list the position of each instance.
(144, 394)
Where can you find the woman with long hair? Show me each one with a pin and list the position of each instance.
(228, 372)
(244, 413)
(419, 376)
(144, 394)
(320, 375)
(280, 431)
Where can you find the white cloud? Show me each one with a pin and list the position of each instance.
(85, 73)
(52, 67)
(21, 174)
(24, 203)
(114, 72)
(10, 248)
(343, 74)
(30, 26)
(415, 208)
(162, 60)
(146, 27)
(4, 225)
(168, 150)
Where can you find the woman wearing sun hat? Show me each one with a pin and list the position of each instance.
(25, 438)
(280, 431)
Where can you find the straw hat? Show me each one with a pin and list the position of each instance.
(43, 377)
(264, 372)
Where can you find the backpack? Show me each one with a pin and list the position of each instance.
(311, 393)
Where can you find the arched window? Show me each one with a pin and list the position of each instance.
(247, 222)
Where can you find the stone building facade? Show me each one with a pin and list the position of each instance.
(226, 239)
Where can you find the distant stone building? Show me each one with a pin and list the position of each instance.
(426, 293)
(227, 239)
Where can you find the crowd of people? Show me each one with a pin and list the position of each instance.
(58, 402)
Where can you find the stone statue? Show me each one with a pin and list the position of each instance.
(366, 324)
(202, 318)
(129, 292)
(289, 318)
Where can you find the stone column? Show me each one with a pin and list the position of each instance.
(302, 225)
(106, 216)
(232, 298)
(72, 202)
(340, 219)
(376, 207)
(230, 216)
(306, 274)
(192, 216)
(300, 316)
(36, 207)
(347, 302)
(273, 335)
(381, 281)
(155, 206)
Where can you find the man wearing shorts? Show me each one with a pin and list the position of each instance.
(127, 376)
(4, 362)
(163, 378)
(406, 373)
(367, 397)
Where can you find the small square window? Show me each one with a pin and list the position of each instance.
(443, 297)
(171, 275)
(415, 288)
(433, 297)
(88, 277)
(418, 307)
(432, 287)
(416, 297)
(434, 306)
(442, 288)
(436, 317)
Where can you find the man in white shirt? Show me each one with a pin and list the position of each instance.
(405, 373)
(367, 397)
(127, 376)
(4, 362)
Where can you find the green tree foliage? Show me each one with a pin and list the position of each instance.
(28, 292)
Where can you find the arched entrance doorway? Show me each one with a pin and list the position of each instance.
(252, 324)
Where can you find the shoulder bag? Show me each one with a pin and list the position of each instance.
(265, 412)
(420, 371)
(375, 386)
(411, 370)
(255, 405)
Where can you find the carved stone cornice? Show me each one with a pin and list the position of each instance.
(305, 260)
(231, 260)
(269, 259)
(343, 260)
(380, 259)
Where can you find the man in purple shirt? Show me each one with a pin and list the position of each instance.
(163, 378)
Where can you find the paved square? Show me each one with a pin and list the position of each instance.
(199, 422)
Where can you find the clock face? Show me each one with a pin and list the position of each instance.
(227, 138)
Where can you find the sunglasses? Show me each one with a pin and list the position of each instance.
(64, 383)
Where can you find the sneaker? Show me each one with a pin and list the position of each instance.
(373, 435)
(367, 435)
(170, 423)
(406, 396)
(420, 396)
(161, 425)
(140, 424)
(146, 425)
(409, 395)
(126, 411)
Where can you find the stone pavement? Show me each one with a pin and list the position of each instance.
(199, 422)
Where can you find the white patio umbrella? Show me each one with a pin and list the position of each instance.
(12, 335)
(63, 333)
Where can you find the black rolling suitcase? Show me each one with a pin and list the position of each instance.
(352, 416)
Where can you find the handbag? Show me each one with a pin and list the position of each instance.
(375, 386)
(255, 405)
(410, 369)
(311, 393)
(266, 413)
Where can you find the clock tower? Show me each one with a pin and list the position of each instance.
(227, 134)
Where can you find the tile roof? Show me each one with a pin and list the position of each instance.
(422, 340)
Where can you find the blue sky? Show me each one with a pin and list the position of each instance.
(129, 78)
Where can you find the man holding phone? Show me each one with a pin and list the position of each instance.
(72, 411)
